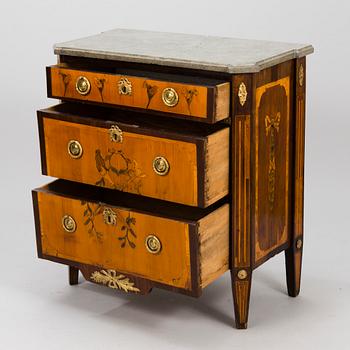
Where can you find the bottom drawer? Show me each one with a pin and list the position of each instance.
(169, 245)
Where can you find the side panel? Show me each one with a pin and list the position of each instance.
(216, 166)
(213, 233)
(272, 142)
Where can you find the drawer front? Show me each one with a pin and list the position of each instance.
(160, 249)
(209, 103)
(188, 172)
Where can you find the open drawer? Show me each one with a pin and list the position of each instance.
(182, 162)
(169, 245)
(202, 99)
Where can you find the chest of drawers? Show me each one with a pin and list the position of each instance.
(178, 158)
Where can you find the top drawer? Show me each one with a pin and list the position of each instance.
(199, 99)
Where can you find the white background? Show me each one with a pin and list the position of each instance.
(39, 310)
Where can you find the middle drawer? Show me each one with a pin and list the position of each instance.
(178, 162)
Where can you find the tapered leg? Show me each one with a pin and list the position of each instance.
(293, 267)
(241, 285)
(241, 239)
(73, 275)
(295, 252)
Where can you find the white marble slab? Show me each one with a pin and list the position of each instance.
(211, 53)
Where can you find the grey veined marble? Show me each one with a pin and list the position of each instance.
(211, 53)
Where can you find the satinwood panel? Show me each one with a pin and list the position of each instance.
(207, 102)
(198, 173)
(96, 243)
(194, 250)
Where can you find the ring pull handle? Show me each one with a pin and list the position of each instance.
(153, 244)
(161, 166)
(69, 224)
(170, 97)
(75, 150)
(82, 85)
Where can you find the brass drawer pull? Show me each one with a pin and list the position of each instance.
(153, 244)
(170, 97)
(75, 149)
(115, 134)
(83, 85)
(124, 87)
(161, 166)
(109, 216)
(69, 224)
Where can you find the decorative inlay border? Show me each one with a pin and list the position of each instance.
(241, 220)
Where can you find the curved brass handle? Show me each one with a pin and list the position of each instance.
(82, 85)
(69, 224)
(75, 150)
(153, 244)
(161, 166)
(170, 97)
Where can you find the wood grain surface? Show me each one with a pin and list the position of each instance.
(98, 244)
(209, 103)
(128, 166)
(193, 252)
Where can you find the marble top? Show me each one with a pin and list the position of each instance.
(229, 55)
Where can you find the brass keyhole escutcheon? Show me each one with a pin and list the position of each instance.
(69, 224)
(153, 244)
(109, 216)
(161, 166)
(170, 97)
(124, 87)
(83, 85)
(115, 134)
(75, 149)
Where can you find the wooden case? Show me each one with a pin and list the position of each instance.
(198, 157)
(111, 229)
(202, 99)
